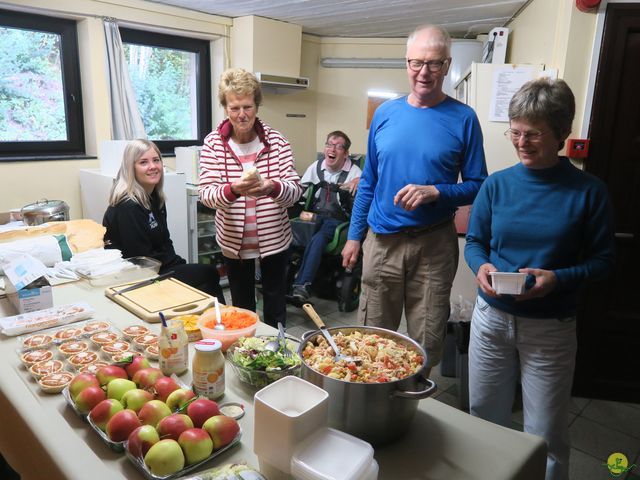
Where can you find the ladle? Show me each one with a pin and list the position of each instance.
(219, 325)
(307, 307)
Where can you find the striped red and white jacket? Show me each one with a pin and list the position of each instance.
(219, 167)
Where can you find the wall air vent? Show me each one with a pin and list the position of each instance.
(281, 83)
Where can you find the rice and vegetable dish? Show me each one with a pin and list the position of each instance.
(380, 359)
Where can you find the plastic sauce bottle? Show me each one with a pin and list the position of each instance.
(173, 346)
(208, 369)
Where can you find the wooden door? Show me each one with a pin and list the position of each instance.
(608, 363)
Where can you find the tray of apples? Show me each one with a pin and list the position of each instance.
(165, 430)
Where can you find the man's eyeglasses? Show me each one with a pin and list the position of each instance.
(337, 146)
(531, 135)
(432, 65)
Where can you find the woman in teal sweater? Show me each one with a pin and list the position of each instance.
(552, 221)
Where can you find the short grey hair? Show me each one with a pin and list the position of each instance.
(239, 82)
(545, 100)
(440, 39)
(126, 187)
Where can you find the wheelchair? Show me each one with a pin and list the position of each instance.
(332, 281)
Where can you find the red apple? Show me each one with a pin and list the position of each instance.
(82, 381)
(137, 363)
(136, 398)
(164, 386)
(196, 445)
(117, 387)
(110, 372)
(178, 398)
(120, 426)
(201, 410)
(173, 425)
(164, 458)
(146, 378)
(222, 430)
(102, 412)
(89, 398)
(141, 440)
(152, 412)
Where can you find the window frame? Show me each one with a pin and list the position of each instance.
(71, 85)
(203, 74)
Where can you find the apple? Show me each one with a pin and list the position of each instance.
(89, 398)
(120, 426)
(201, 410)
(146, 378)
(141, 440)
(164, 386)
(117, 387)
(136, 398)
(164, 458)
(153, 411)
(110, 372)
(196, 445)
(173, 425)
(82, 381)
(102, 412)
(138, 362)
(222, 430)
(178, 398)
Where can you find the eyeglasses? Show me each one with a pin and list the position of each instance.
(433, 66)
(337, 146)
(531, 135)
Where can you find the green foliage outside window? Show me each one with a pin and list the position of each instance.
(164, 82)
(31, 99)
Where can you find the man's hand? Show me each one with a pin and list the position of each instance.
(546, 281)
(483, 279)
(350, 253)
(412, 196)
(351, 186)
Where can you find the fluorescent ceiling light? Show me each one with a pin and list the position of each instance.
(363, 62)
(382, 94)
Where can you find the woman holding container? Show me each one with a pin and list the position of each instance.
(551, 221)
(247, 176)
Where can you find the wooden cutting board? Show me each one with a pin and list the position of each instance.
(169, 296)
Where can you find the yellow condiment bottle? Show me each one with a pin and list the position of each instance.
(173, 346)
(207, 369)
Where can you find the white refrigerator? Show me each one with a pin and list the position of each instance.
(94, 192)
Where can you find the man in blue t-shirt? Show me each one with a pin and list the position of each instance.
(418, 148)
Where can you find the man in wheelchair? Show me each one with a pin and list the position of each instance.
(333, 182)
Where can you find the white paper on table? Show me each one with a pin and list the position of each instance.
(507, 80)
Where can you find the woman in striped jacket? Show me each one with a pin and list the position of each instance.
(247, 176)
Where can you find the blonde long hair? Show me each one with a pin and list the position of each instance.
(126, 187)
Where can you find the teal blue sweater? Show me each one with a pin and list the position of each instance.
(556, 219)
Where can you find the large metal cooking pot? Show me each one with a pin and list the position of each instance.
(376, 412)
(44, 211)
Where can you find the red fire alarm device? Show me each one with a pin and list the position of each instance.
(587, 5)
(577, 148)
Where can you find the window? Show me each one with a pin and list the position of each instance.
(40, 93)
(171, 78)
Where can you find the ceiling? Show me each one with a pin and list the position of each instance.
(368, 18)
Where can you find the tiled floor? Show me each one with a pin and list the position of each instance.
(598, 428)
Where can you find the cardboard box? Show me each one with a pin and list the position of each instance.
(26, 285)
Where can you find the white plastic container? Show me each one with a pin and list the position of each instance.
(286, 412)
(330, 454)
(509, 283)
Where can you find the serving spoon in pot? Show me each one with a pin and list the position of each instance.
(307, 307)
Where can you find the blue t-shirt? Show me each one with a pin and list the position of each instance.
(421, 146)
(557, 219)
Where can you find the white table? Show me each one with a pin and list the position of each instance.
(41, 437)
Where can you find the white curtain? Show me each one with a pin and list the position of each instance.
(126, 121)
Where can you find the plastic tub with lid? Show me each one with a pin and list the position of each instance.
(331, 454)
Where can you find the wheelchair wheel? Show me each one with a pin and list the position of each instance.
(349, 291)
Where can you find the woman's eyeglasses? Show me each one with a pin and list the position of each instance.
(433, 66)
(531, 135)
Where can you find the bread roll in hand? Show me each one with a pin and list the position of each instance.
(252, 174)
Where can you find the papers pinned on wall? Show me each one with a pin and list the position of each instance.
(506, 82)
